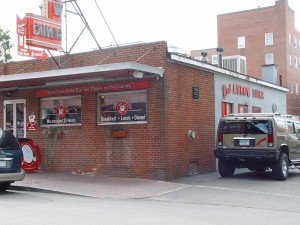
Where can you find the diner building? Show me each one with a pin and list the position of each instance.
(130, 111)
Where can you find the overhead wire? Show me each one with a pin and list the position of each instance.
(106, 23)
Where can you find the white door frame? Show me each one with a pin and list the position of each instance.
(14, 103)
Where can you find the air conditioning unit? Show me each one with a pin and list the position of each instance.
(235, 63)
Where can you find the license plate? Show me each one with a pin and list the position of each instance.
(2, 163)
(244, 142)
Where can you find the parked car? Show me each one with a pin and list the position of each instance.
(258, 142)
(10, 160)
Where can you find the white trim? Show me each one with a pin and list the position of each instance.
(215, 69)
(84, 70)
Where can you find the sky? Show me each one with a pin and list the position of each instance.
(188, 25)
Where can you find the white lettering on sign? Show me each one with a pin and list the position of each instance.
(45, 31)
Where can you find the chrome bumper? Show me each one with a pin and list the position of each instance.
(5, 177)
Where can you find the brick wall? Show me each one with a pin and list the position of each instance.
(159, 149)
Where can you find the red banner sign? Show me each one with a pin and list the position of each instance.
(111, 87)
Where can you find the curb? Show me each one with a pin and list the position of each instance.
(40, 190)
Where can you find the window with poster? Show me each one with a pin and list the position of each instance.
(62, 111)
(128, 107)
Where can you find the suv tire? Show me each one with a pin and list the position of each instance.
(280, 169)
(226, 169)
(4, 186)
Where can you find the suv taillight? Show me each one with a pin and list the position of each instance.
(220, 139)
(270, 140)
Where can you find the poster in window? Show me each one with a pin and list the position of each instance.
(63, 110)
(123, 108)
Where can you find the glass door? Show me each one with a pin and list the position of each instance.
(15, 117)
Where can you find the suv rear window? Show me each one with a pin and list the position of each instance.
(245, 127)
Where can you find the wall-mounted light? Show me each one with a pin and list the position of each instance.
(74, 81)
(138, 74)
(191, 134)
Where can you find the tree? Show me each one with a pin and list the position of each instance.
(5, 46)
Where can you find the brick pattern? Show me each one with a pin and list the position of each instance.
(159, 149)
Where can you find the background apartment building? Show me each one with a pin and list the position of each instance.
(262, 43)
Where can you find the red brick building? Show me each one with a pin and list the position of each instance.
(266, 36)
(157, 101)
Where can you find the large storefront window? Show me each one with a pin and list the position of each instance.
(60, 111)
(122, 107)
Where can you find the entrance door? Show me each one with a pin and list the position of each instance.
(15, 117)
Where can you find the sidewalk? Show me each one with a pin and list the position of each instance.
(94, 185)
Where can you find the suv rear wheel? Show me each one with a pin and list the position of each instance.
(226, 169)
(280, 169)
(4, 186)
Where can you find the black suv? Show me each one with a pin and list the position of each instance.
(10, 160)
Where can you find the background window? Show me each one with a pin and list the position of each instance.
(227, 108)
(214, 59)
(290, 39)
(295, 42)
(269, 57)
(296, 89)
(296, 62)
(268, 38)
(241, 42)
(291, 88)
(60, 111)
(290, 59)
(256, 109)
(243, 109)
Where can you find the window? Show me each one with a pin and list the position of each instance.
(241, 42)
(295, 42)
(122, 107)
(296, 89)
(290, 57)
(227, 108)
(256, 109)
(269, 57)
(214, 59)
(291, 128)
(291, 88)
(290, 39)
(243, 109)
(296, 62)
(268, 38)
(60, 111)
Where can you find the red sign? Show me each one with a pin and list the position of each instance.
(43, 32)
(110, 87)
(24, 49)
(241, 90)
(31, 126)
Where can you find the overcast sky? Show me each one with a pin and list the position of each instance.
(188, 24)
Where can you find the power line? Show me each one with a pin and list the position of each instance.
(106, 22)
